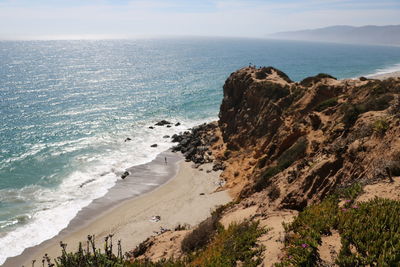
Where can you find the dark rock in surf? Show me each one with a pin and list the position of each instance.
(125, 174)
(162, 123)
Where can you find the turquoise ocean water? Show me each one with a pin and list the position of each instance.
(66, 108)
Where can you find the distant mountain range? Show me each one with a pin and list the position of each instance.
(380, 35)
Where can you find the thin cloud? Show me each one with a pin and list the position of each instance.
(250, 18)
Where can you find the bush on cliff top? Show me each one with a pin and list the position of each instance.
(370, 231)
(236, 244)
(314, 79)
(326, 104)
(229, 246)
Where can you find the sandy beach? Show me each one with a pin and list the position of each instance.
(386, 75)
(178, 201)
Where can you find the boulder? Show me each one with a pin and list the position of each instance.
(176, 138)
(162, 123)
(125, 174)
(154, 145)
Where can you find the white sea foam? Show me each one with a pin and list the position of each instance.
(56, 207)
(385, 70)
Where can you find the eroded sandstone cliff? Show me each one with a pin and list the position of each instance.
(283, 145)
(304, 139)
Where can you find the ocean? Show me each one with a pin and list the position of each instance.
(66, 108)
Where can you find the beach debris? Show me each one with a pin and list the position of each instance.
(155, 219)
(86, 182)
(151, 127)
(162, 123)
(127, 139)
(162, 230)
(125, 174)
(154, 145)
(166, 136)
(202, 194)
(168, 126)
(177, 124)
(220, 183)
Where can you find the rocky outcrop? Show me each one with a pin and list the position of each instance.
(195, 144)
(305, 139)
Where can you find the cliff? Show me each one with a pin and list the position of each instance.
(305, 139)
(314, 148)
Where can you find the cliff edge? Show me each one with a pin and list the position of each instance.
(295, 155)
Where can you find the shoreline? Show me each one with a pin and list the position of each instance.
(126, 209)
(394, 74)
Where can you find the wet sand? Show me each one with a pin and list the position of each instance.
(127, 208)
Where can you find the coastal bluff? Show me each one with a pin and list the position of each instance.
(294, 173)
(304, 139)
(286, 148)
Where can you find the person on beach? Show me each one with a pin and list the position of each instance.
(165, 158)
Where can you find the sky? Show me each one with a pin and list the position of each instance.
(98, 19)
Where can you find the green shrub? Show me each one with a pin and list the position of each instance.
(373, 103)
(292, 154)
(306, 230)
(200, 236)
(264, 180)
(272, 90)
(380, 126)
(227, 154)
(261, 75)
(373, 230)
(91, 256)
(349, 192)
(237, 243)
(286, 159)
(376, 103)
(370, 231)
(314, 79)
(326, 104)
(350, 113)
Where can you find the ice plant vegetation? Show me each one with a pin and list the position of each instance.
(370, 234)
